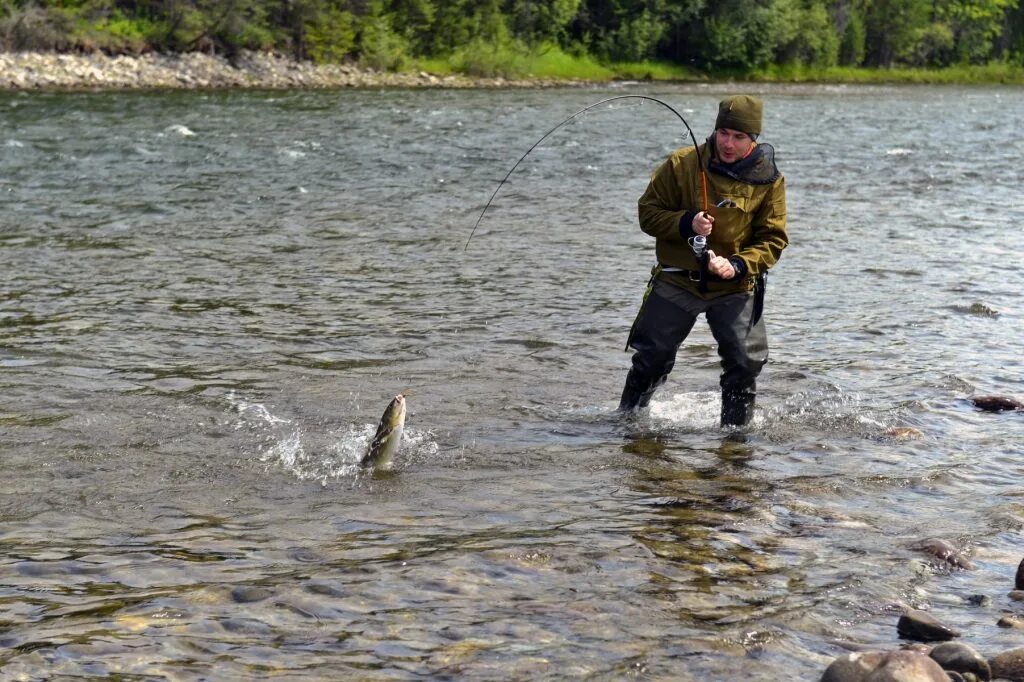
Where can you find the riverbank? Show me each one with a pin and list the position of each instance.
(195, 70)
(52, 71)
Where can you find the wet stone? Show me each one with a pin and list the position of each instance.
(1009, 665)
(892, 666)
(1010, 622)
(325, 589)
(1016, 595)
(978, 600)
(961, 658)
(923, 627)
(246, 594)
(853, 667)
(996, 403)
(943, 550)
(245, 626)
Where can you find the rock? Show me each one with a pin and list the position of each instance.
(923, 627)
(903, 433)
(943, 550)
(1009, 665)
(1010, 622)
(853, 667)
(978, 600)
(961, 658)
(1018, 580)
(1016, 595)
(996, 403)
(245, 594)
(882, 666)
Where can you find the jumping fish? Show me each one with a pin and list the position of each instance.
(388, 437)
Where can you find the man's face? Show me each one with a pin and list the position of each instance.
(732, 145)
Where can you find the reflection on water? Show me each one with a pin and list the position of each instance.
(209, 299)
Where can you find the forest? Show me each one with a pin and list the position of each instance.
(501, 37)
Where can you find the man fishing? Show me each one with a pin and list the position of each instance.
(718, 214)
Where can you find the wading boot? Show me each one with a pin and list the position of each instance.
(737, 408)
(634, 397)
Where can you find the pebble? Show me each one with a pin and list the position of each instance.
(1010, 622)
(892, 666)
(961, 658)
(51, 71)
(918, 625)
(943, 550)
(996, 403)
(978, 600)
(246, 594)
(1008, 665)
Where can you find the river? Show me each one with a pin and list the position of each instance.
(208, 298)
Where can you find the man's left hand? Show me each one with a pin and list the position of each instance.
(720, 267)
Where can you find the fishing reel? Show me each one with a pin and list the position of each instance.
(699, 244)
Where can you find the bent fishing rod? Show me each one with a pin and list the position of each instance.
(642, 98)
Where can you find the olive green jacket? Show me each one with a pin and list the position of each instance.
(754, 231)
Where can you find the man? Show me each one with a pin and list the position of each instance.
(744, 226)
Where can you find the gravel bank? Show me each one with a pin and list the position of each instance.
(50, 71)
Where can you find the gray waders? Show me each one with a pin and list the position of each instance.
(664, 321)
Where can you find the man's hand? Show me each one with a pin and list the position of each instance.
(718, 266)
(702, 223)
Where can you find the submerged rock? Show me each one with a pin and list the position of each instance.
(996, 403)
(903, 433)
(979, 309)
(978, 600)
(245, 594)
(961, 658)
(943, 550)
(923, 627)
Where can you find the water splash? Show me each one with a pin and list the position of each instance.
(314, 456)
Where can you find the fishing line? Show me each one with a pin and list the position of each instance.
(642, 98)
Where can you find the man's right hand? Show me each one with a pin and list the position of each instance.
(702, 223)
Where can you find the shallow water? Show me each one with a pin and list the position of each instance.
(208, 299)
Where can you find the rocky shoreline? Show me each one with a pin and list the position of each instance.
(52, 71)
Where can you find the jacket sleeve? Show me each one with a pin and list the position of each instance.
(661, 206)
(769, 235)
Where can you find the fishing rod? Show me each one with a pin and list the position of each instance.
(642, 98)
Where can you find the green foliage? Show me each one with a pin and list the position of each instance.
(330, 35)
(517, 37)
(381, 47)
(851, 48)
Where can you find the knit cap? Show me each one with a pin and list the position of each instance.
(742, 113)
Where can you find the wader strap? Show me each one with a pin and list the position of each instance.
(655, 271)
(760, 284)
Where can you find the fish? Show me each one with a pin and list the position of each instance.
(388, 438)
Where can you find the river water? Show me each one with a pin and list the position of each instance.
(208, 299)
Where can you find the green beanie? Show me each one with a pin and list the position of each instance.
(742, 113)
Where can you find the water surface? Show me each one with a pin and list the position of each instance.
(207, 300)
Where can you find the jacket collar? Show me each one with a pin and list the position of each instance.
(758, 168)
